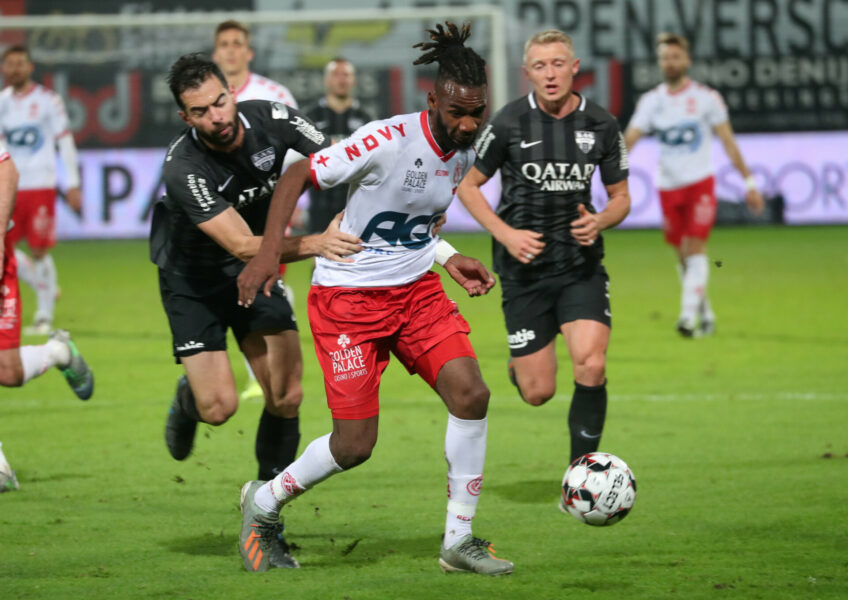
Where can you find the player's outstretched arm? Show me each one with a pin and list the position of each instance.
(332, 244)
(263, 269)
(631, 136)
(753, 198)
(524, 245)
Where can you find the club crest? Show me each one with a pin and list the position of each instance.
(585, 140)
(264, 159)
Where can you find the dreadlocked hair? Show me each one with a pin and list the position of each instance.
(456, 62)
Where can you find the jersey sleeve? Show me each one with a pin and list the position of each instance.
(296, 129)
(717, 109)
(190, 190)
(641, 118)
(4, 154)
(365, 157)
(614, 163)
(492, 145)
(58, 117)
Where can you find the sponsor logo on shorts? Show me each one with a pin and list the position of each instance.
(192, 345)
(348, 363)
(474, 486)
(521, 338)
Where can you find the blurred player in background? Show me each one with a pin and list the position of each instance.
(219, 174)
(547, 242)
(19, 364)
(34, 124)
(402, 174)
(338, 115)
(684, 114)
(233, 55)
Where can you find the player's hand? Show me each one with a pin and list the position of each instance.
(263, 270)
(524, 245)
(755, 201)
(333, 244)
(74, 199)
(437, 226)
(585, 228)
(471, 274)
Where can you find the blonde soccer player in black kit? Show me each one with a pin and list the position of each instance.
(547, 243)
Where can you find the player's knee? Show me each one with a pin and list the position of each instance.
(287, 403)
(219, 410)
(472, 402)
(591, 371)
(538, 392)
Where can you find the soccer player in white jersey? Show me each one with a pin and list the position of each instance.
(402, 172)
(684, 114)
(233, 55)
(19, 364)
(34, 124)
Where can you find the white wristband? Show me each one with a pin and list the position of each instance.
(750, 183)
(444, 251)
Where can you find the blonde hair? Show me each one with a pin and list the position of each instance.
(548, 36)
(673, 39)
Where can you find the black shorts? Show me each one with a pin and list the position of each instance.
(535, 310)
(200, 312)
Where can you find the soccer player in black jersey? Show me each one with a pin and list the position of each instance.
(336, 114)
(547, 242)
(220, 174)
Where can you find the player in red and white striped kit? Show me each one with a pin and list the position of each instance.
(34, 124)
(684, 115)
(402, 174)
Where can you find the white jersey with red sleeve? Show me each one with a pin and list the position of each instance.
(31, 124)
(400, 183)
(256, 87)
(683, 122)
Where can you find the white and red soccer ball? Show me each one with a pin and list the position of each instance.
(598, 489)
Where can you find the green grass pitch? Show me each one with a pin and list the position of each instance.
(739, 444)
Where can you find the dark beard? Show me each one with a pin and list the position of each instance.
(217, 141)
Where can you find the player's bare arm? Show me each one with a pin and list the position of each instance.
(471, 274)
(230, 231)
(586, 228)
(524, 245)
(631, 136)
(8, 185)
(752, 196)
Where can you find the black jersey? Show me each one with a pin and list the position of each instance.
(201, 183)
(546, 172)
(324, 204)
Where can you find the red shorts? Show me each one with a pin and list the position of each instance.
(10, 299)
(34, 217)
(355, 330)
(689, 211)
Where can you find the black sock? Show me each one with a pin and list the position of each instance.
(185, 397)
(276, 444)
(586, 418)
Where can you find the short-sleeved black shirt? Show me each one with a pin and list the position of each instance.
(201, 183)
(546, 171)
(325, 203)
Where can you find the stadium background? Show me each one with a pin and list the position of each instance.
(782, 66)
(738, 441)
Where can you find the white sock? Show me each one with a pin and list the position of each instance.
(706, 310)
(37, 359)
(465, 451)
(44, 272)
(314, 466)
(25, 272)
(694, 287)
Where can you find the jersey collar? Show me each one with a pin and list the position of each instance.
(244, 85)
(425, 127)
(531, 98)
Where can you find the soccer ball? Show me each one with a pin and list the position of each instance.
(598, 489)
